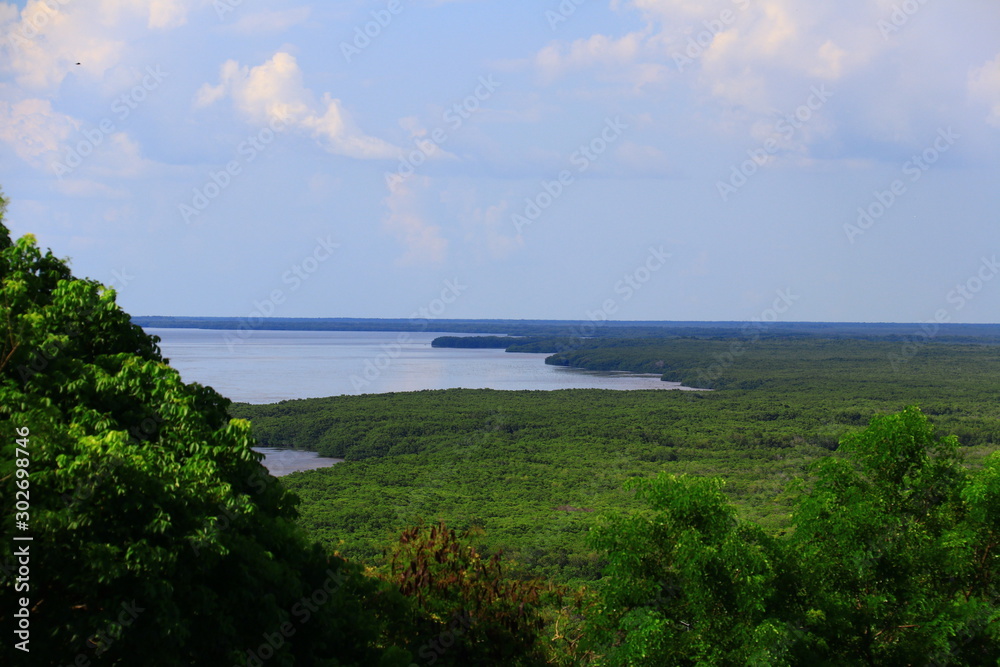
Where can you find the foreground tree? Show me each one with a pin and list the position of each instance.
(687, 584)
(897, 549)
(157, 536)
(893, 560)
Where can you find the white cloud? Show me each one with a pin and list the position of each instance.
(585, 53)
(81, 187)
(271, 21)
(43, 42)
(422, 240)
(35, 131)
(623, 60)
(338, 135)
(120, 157)
(422, 140)
(275, 91)
(8, 13)
(268, 92)
(491, 221)
(167, 13)
(643, 160)
(159, 14)
(484, 228)
(59, 144)
(984, 85)
(769, 52)
(741, 51)
(669, 9)
(46, 40)
(747, 63)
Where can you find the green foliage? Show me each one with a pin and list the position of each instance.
(514, 343)
(912, 532)
(530, 468)
(892, 561)
(475, 342)
(158, 538)
(796, 366)
(894, 554)
(506, 461)
(686, 583)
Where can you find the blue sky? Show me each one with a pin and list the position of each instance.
(574, 159)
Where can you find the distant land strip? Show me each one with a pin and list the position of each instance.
(982, 333)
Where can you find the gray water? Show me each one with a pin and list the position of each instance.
(280, 462)
(271, 366)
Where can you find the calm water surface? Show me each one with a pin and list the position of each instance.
(271, 366)
(280, 462)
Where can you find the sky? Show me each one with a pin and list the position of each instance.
(547, 159)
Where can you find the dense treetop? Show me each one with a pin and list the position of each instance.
(145, 498)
